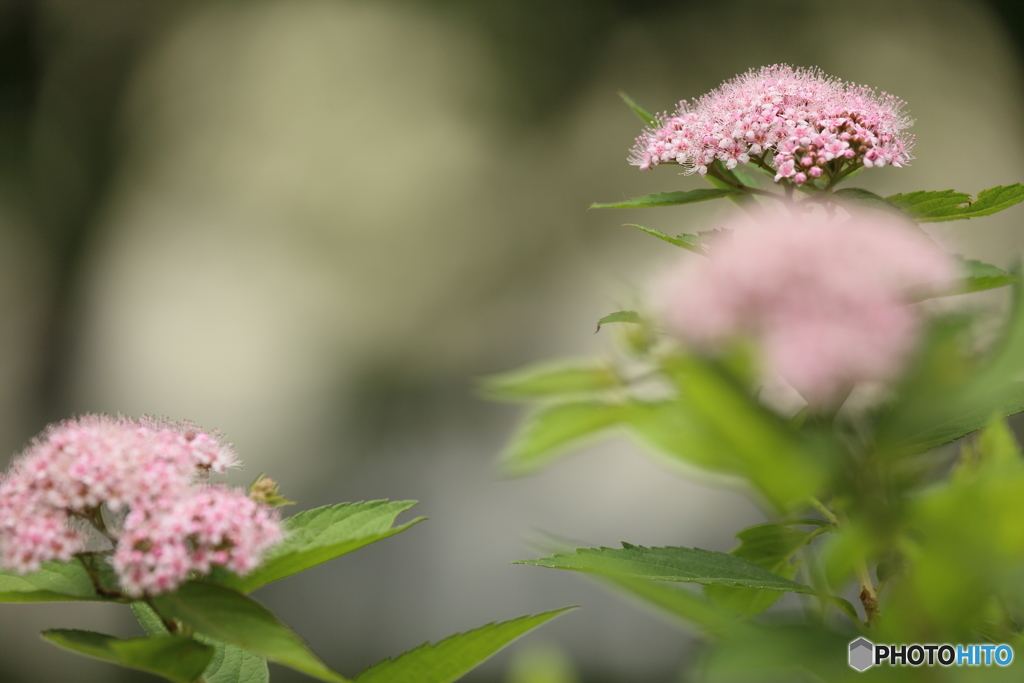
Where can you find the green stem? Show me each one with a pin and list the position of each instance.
(825, 512)
(868, 594)
(96, 584)
(740, 186)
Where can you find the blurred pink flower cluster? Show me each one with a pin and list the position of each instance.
(175, 524)
(804, 118)
(827, 301)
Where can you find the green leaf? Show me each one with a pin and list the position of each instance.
(54, 582)
(948, 205)
(672, 429)
(550, 432)
(866, 198)
(644, 115)
(758, 444)
(688, 607)
(148, 619)
(737, 177)
(771, 546)
(176, 658)
(229, 664)
(668, 199)
(687, 244)
(544, 380)
(619, 317)
(317, 536)
(937, 428)
(979, 276)
(452, 657)
(689, 565)
(230, 617)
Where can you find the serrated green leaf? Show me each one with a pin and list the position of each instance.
(230, 617)
(686, 606)
(667, 199)
(317, 536)
(550, 432)
(948, 205)
(687, 244)
(454, 656)
(176, 658)
(229, 664)
(544, 380)
(771, 546)
(644, 115)
(689, 565)
(54, 582)
(620, 317)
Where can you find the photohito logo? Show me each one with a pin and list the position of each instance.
(864, 654)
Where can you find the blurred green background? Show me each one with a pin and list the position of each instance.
(311, 224)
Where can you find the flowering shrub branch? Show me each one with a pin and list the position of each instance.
(788, 353)
(120, 510)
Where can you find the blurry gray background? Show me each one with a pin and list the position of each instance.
(312, 223)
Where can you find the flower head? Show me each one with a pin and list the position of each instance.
(174, 525)
(213, 527)
(826, 301)
(799, 122)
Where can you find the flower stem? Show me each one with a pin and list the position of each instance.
(868, 594)
(94, 577)
(825, 512)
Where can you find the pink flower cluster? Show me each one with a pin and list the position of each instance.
(175, 524)
(810, 123)
(827, 301)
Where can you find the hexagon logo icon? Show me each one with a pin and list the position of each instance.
(862, 654)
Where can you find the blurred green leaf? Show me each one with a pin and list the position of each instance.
(690, 608)
(550, 432)
(865, 198)
(229, 664)
(541, 663)
(454, 656)
(620, 317)
(788, 652)
(317, 536)
(176, 658)
(644, 115)
(979, 276)
(230, 617)
(761, 445)
(667, 199)
(688, 244)
(948, 205)
(949, 394)
(690, 565)
(544, 380)
(672, 429)
(54, 582)
(923, 434)
(770, 546)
